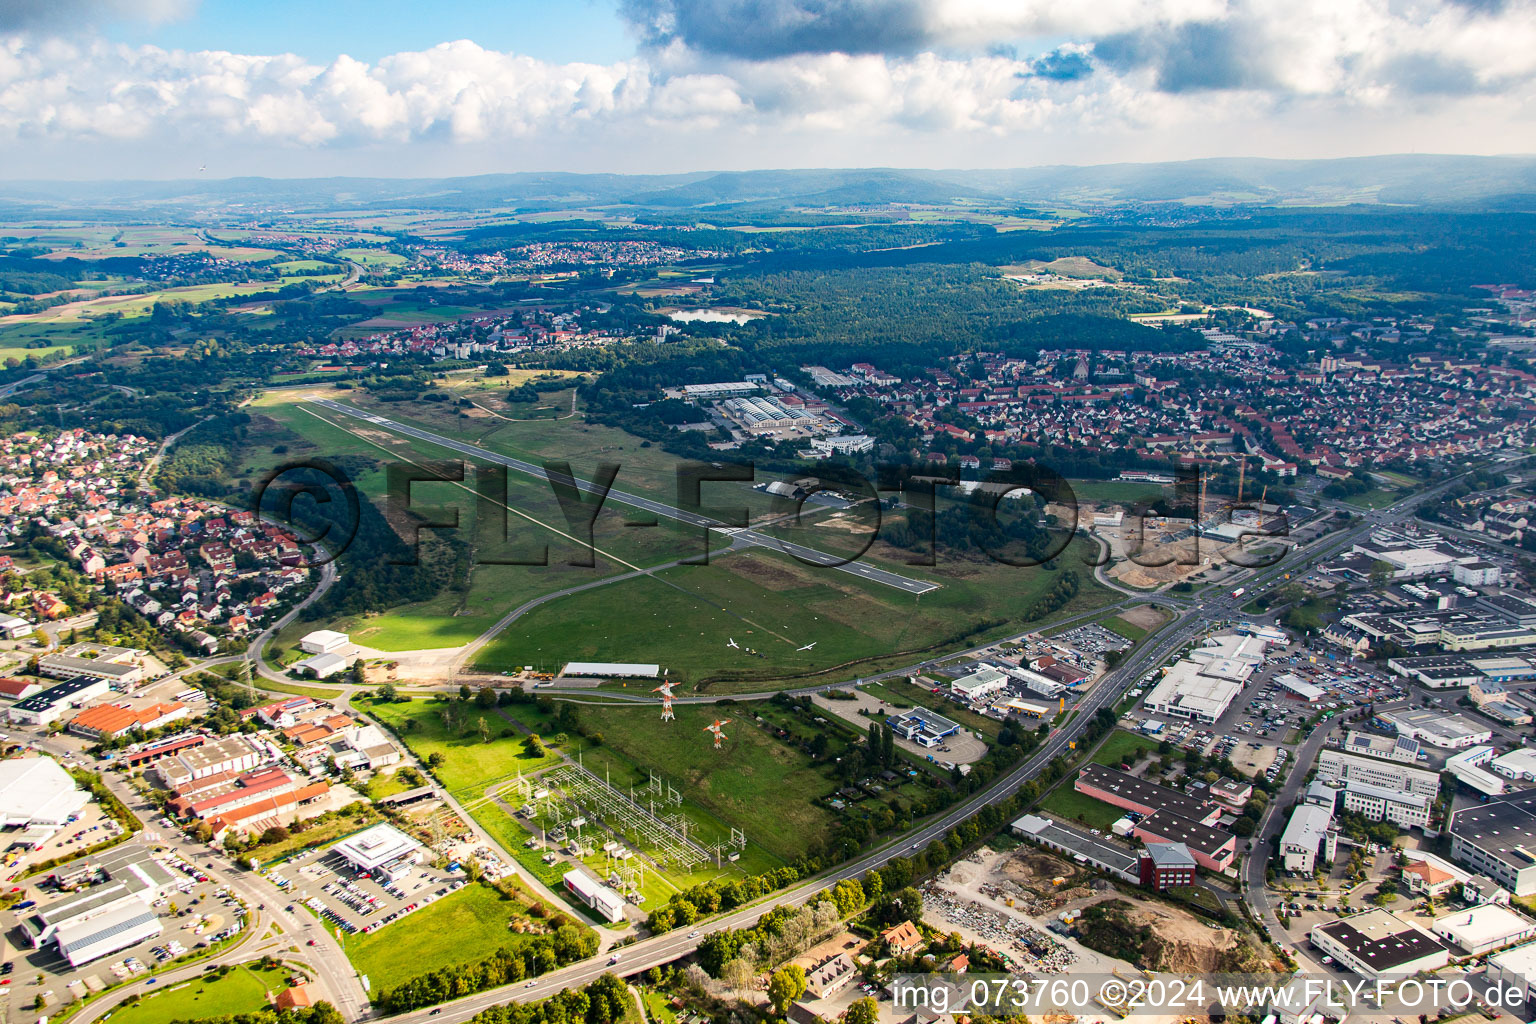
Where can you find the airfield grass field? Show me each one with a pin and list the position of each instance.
(771, 603)
(765, 600)
(461, 927)
(242, 990)
(534, 522)
(647, 471)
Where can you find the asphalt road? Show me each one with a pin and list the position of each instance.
(807, 554)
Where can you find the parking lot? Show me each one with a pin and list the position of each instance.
(194, 913)
(1258, 729)
(357, 903)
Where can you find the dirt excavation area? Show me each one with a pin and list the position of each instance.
(1014, 901)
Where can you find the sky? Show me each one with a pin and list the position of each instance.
(166, 88)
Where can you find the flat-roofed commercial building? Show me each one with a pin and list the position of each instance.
(1498, 839)
(1187, 691)
(50, 705)
(1336, 766)
(1515, 968)
(611, 670)
(380, 849)
(1212, 847)
(1403, 749)
(228, 754)
(104, 918)
(1483, 929)
(924, 727)
(1381, 803)
(119, 665)
(1378, 944)
(325, 641)
(1437, 728)
(1125, 790)
(1079, 846)
(1519, 764)
(37, 792)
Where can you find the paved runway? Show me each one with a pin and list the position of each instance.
(810, 556)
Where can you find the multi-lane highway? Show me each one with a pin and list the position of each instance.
(741, 536)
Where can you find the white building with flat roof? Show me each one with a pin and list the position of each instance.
(982, 683)
(1186, 691)
(1335, 766)
(1484, 928)
(1519, 764)
(1379, 803)
(1515, 968)
(36, 791)
(607, 903)
(1437, 728)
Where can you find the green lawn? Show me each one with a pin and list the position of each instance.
(1121, 746)
(242, 990)
(1120, 492)
(469, 765)
(1073, 806)
(371, 257)
(463, 926)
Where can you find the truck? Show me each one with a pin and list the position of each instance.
(1239, 591)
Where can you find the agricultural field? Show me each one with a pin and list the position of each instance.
(242, 990)
(461, 927)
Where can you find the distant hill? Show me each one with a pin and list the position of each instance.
(1489, 182)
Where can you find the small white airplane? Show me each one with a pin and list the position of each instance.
(731, 642)
(808, 646)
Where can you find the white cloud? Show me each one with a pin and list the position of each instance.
(1332, 73)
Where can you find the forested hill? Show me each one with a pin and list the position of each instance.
(1498, 182)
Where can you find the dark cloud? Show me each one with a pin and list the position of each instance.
(1195, 56)
(1062, 66)
(764, 29)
